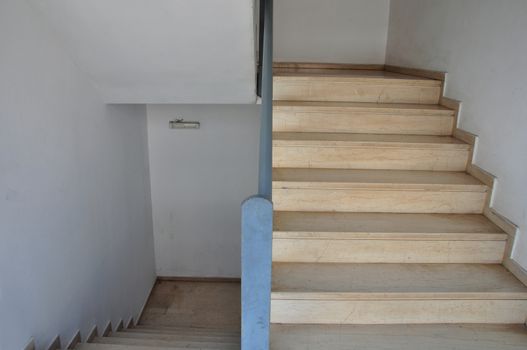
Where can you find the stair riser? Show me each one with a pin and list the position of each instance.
(346, 90)
(360, 123)
(398, 311)
(387, 251)
(378, 201)
(390, 158)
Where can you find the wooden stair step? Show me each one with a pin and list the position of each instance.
(373, 140)
(347, 190)
(385, 179)
(354, 86)
(99, 346)
(399, 337)
(355, 280)
(369, 151)
(369, 118)
(180, 337)
(386, 237)
(185, 330)
(170, 343)
(385, 225)
(396, 294)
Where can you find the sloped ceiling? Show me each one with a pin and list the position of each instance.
(160, 51)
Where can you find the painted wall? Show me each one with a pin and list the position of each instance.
(76, 245)
(480, 43)
(163, 51)
(339, 31)
(199, 179)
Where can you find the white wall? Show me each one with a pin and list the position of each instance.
(162, 51)
(75, 231)
(481, 44)
(199, 179)
(334, 31)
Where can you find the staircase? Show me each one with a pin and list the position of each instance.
(148, 338)
(380, 239)
(377, 221)
(179, 314)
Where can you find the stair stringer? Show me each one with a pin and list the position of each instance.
(487, 178)
(492, 181)
(93, 332)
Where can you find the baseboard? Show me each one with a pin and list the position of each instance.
(92, 334)
(120, 326)
(339, 66)
(423, 73)
(479, 173)
(55, 344)
(107, 330)
(30, 345)
(200, 279)
(140, 314)
(482, 175)
(516, 269)
(74, 341)
(130, 323)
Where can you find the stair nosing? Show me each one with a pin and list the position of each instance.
(395, 79)
(294, 139)
(322, 185)
(367, 107)
(383, 296)
(376, 180)
(388, 236)
(369, 144)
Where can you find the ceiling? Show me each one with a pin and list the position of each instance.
(160, 51)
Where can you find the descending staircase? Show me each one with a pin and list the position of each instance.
(376, 220)
(179, 314)
(148, 337)
(143, 338)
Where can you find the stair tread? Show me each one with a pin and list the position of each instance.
(399, 337)
(179, 336)
(351, 178)
(357, 75)
(226, 331)
(394, 281)
(100, 346)
(373, 140)
(401, 108)
(168, 342)
(330, 225)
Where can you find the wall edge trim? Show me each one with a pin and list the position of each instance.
(141, 311)
(76, 339)
(481, 174)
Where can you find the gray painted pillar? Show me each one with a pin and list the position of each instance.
(257, 228)
(265, 168)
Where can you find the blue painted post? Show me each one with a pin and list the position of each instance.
(257, 211)
(257, 228)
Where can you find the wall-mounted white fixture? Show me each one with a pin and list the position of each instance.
(182, 124)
